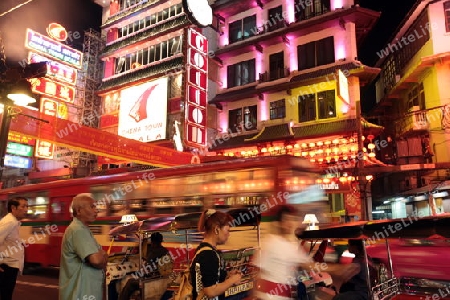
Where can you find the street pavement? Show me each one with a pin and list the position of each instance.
(41, 284)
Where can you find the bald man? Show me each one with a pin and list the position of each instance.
(82, 259)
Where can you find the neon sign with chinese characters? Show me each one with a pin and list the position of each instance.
(54, 89)
(53, 49)
(44, 149)
(55, 69)
(196, 87)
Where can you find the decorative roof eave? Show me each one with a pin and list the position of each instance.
(235, 95)
(142, 74)
(125, 13)
(285, 132)
(153, 32)
(325, 71)
(282, 131)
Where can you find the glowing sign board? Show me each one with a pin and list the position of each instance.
(196, 89)
(53, 49)
(18, 138)
(53, 108)
(343, 91)
(143, 111)
(17, 162)
(19, 149)
(45, 86)
(56, 70)
(57, 32)
(44, 149)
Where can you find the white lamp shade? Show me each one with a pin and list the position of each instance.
(310, 218)
(128, 219)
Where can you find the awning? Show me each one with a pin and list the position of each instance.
(433, 187)
(286, 132)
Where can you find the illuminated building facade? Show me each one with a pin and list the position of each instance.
(289, 83)
(155, 83)
(413, 104)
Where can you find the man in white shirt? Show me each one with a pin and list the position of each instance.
(11, 247)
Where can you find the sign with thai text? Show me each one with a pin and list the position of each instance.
(19, 149)
(17, 162)
(109, 120)
(21, 139)
(53, 49)
(69, 134)
(196, 89)
(56, 70)
(45, 86)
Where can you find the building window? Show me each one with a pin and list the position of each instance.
(167, 13)
(275, 19)
(317, 106)
(278, 109)
(276, 65)
(241, 73)
(148, 55)
(416, 98)
(307, 108)
(243, 119)
(316, 53)
(242, 29)
(447, 15)
(326, 104)
(303, 11)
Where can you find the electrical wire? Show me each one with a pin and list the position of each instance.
(14, 8)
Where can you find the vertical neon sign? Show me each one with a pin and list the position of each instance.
(196, 89)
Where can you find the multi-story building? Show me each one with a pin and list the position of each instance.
(155, 76)
(413, 104)
(289, 83)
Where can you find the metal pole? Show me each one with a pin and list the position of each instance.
(4, 129)
(360, 162)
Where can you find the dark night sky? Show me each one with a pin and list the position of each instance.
(79, 15)
(75, 15)
(392, 13)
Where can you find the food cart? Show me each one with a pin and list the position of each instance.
(181, 229)
(403, 254)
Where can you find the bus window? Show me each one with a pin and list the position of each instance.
(118, 208)
(37, 208)
(230, 201)
(138, 207)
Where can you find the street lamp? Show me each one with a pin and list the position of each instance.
(20, 93)
(19, 97)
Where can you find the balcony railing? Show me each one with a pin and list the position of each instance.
(274, 75)
(415, 121)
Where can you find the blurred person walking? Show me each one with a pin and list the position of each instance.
(11, 247)
(281, 257)
(209, 278)
(83, 261)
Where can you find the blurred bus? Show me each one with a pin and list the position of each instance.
(258, 184)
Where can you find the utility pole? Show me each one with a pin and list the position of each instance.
(360, 163)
